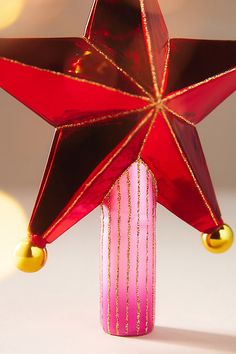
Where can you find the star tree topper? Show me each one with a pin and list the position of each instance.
(123, 92)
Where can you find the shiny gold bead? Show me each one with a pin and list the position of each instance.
(220, 240)
(29, 258)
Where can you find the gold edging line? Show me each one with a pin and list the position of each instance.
(123, 173)
(119, 68)
(128, 251)
(138, 301)
(93, 83)
(118, 255)
(154, 276)
(149, 45)
(191, 87)
(147, 252)
(109, 268)
(48, 170)
(179, 116)
(127, 140)
(101, 259)
(190, 169)
(152, 174)
(136, 160)
(109, 116)
(165, 68)
(155, 112)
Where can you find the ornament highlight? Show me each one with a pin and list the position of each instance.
(10, 11)
(29, 258)
(10, 209)
(220, 240)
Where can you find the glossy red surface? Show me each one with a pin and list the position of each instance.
(70, 56)
(60, 99)
(123, 92)
(198, 60)
(76, 155)
(157, 38)
(189, 141)
(116, 27)
(177, 190)
(197, 102)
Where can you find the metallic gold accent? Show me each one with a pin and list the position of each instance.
(48, 174)
(154, 258)
(149, 47)
(153, 176)
(165, 68)
(147, 249)
(127, 140)
(29, 258)
(123, 173)
(190, 170)
(109, 116)
(75, 79)
(191, 87)
(137, 256)
(118, 68)
(128, 252)
(109, 269)
(178, 115)
(220, 240)
(148, 132)
(118, 257)
(101, 258)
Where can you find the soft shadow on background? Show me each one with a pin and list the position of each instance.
(218, 342)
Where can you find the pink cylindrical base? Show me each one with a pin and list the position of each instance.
(128, 254)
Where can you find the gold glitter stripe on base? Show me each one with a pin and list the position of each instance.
(123, 173)
(86, 186)
(137, 256)
(93, 83)
(109, 116)
(165, 68)
(190, 170)
(154, 259)
(191, 87)
(101, 259)
(118, 256)
(149, 49)
(128, 251)
(153, 176)
(147, 249)
(109, 269)
(178, 115)
(119, 68)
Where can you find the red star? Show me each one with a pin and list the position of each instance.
(123, 92)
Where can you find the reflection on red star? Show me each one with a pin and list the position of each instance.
(123, 92)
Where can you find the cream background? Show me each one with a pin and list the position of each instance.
(56, 311)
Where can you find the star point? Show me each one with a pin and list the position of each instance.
(124, 92)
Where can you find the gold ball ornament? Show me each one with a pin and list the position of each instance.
(29, 258)
(220, 240)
